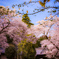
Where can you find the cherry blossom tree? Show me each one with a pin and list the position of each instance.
(18, 31)
(6, 17)
(49, 28)
(4, 24)
(52, 44)
(44, 26)
(14, 27)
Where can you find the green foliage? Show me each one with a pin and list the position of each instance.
(42, 9)
(39, 40)
(10, 52)
(42, 4)
(27, 20)
(43, 37)
(33, 35)
(28, 35)
(9, 40)
(54, 11)
(27, 49)
(37, 44)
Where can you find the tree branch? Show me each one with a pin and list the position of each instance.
(39, 10)
(4, 28)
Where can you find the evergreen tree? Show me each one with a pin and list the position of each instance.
(27, 20)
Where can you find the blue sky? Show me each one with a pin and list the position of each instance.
(33, 18)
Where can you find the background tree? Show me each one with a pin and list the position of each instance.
(27, 20)
(27, 49)
(10, 52)
(9, 40)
